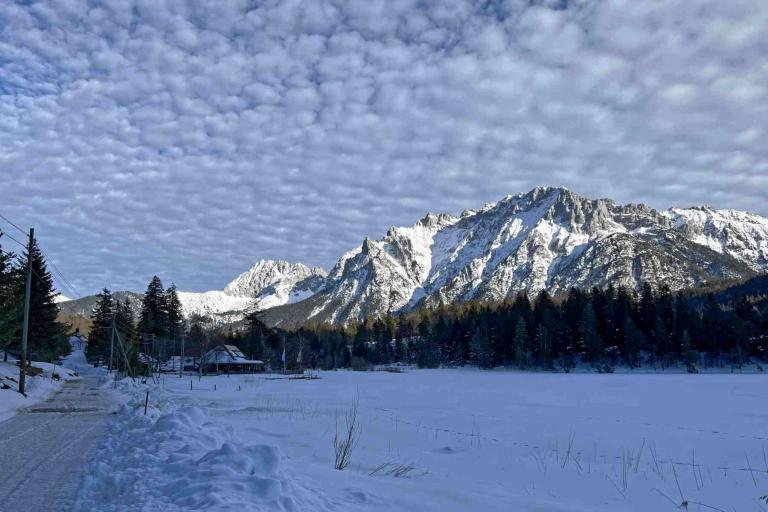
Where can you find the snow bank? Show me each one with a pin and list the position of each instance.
(38, 387)
(181, 460)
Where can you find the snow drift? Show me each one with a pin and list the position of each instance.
(181, 460)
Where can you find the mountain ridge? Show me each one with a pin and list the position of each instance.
(548, 238)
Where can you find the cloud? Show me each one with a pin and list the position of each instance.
(191, 138)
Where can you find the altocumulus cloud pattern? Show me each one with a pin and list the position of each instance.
(191, 138)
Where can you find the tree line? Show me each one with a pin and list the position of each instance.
(598, 327)
(47, 338)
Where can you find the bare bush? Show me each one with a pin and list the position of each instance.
(344, 442)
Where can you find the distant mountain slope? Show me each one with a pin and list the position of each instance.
(548, 238)
(268, 283)
(84, 305)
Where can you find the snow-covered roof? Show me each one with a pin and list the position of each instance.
(228, 354)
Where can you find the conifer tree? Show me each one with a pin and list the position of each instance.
(254, 336)
(11, 305)
(633, 341)
(591, 341)
(46, 339)
(521, 344)
(196, 338)
(542, 341)
(100, 338)
(690, 356)
(426, 351)
(480, 345)
(360, 342)
(174, 316)
(125, 319)
(153, 318)
(647, 310)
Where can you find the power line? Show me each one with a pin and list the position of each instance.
(11, 237)
(66, 284)
(66, 281)
(12, 224)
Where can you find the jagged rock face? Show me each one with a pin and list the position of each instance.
(739, 234)
(549, 238)
(269, 273)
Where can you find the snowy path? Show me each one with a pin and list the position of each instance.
(46, 449)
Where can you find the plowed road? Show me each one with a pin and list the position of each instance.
(45, 450)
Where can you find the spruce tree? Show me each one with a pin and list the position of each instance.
(633, 341)
(521, 343)
(360, 342)
(46, 339)
(100, 337)
(690, 356)
(591, 341)
(480, 345)
(254, 336)
(153, 319)
(174, 316)
(196, 338)
(11, 303)
(647, 310)
(542, 341)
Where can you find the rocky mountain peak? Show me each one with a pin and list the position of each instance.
(265, 273)
(548, 238)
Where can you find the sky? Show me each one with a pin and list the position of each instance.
(189, 139)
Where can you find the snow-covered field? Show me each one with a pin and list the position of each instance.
(440, 440)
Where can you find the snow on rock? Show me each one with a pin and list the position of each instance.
(213, 303)
(267, 284)
(739, 234)
(266, 273)
(548, 238)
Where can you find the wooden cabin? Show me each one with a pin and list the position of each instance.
(230, 359)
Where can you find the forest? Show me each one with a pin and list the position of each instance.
(603, 328)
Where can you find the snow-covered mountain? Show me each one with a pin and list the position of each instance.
(267, 284)
(548, 238)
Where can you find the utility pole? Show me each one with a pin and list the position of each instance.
(25, 327)
(112, 343)
(181, 359)
(202, 357)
